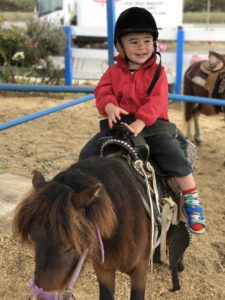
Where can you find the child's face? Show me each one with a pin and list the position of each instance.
(138, 48)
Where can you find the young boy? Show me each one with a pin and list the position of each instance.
(122, 91)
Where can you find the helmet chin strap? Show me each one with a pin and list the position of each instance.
(156, 75)
(120, 50)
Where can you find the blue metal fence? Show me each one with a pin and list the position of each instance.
(179, 60)
(45, 112)
(175, 97)
(110, 29)
(68, 56)
(44, 88)
(74, 89)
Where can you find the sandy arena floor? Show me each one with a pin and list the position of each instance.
(52, 143)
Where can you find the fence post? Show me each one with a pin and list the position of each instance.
(110, 6)
(179, 60)
(68, 56)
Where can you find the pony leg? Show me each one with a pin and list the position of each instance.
(138, 281)
(189, 133)
(106, 279)
(198, 132)
(175, 279)
(179, 267)
(178, 242)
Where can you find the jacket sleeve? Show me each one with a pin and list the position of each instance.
(156, 104)
(104, 92)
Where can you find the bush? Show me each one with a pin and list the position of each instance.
(17, 5)
(11, 41)
(40, 40)
(30, 48)
(43, 39)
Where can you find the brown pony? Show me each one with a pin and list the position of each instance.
(63, 217)
(205, 78)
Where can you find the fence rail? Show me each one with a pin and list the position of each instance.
(43, 113)
(14, 87)
(44, 88)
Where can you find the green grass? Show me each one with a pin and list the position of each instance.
(17, 5)
(189, 17)
(201, 17)
(15, 16)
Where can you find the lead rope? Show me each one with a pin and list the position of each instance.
(75, 275)
(100, 244)
(67, 293)
(138, 164)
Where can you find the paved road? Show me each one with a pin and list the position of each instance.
(12, 190)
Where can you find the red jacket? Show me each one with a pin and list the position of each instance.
(120, 86)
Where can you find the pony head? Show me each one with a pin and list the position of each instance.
(59, 219)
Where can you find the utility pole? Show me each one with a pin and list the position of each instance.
(208, 12)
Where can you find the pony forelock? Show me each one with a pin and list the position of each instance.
(52, 207)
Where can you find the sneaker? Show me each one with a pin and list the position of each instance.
(193, 211)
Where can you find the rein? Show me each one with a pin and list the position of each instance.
(67, 293)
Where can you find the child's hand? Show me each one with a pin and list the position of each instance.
(114, 113)
(136, 127)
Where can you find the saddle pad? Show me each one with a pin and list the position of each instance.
(196, 75)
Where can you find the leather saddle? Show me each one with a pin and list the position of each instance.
(120, 142)
(214, 63)
(206, 73)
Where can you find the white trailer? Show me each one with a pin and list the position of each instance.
(59, 12)
(89, 20)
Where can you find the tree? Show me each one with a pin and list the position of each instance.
(199, 6)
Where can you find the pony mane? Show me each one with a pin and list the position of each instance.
(48, 206)
(53, 208)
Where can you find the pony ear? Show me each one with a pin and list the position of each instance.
(38, 180)
(86, 197)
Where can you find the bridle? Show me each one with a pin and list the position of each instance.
(67, 293)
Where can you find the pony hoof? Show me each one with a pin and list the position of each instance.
(175, 289)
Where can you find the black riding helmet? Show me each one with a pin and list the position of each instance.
(133, 20)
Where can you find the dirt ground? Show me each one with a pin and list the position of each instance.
(52, 143)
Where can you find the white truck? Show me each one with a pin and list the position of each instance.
(59, 12)
(89, 17)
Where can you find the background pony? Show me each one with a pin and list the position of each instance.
(204, 78)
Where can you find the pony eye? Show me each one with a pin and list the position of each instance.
(68, 249)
